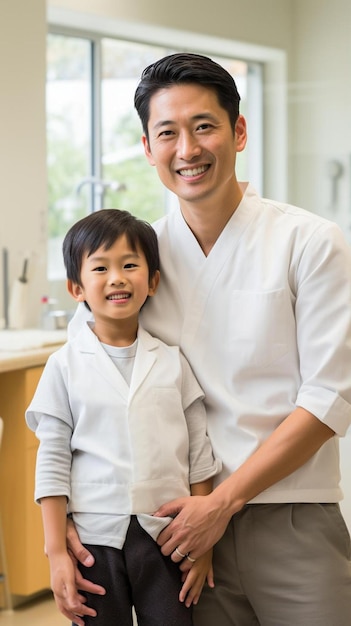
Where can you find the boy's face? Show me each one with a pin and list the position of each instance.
(115, 283)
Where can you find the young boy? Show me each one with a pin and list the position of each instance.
(122, 429)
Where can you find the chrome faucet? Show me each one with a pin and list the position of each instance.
(100, 185)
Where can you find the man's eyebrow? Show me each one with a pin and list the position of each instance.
(199, 116)
(163, 123)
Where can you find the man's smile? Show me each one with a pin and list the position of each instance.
(195, 171)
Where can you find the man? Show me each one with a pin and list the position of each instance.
(258, 295)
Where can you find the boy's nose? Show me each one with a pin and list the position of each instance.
(117, 278)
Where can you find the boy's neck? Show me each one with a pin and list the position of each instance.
(116, 334)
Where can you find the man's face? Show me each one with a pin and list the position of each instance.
(191, 142)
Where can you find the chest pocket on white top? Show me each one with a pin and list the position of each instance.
(258, 328)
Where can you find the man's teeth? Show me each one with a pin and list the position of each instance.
(194, 171)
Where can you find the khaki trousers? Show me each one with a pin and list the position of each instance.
(281, 565)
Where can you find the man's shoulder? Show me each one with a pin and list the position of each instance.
(151, 341)
(161, 225)
(294, 217)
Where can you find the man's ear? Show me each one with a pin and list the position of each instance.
(75, 290)
(147, 150)
(240, 133)
(153, 283)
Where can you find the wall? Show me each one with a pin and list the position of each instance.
(22, 145)
(263, 22)
(320, 104)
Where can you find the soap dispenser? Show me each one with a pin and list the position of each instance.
(19, 300)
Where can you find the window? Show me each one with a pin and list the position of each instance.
(95, 154)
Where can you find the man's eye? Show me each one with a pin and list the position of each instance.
(204, 126)
(166, 133)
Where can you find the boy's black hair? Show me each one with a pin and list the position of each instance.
(186, 68)
(102, 228)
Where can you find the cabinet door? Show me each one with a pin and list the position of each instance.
(36, 566)
(23, 534)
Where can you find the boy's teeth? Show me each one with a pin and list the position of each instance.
(119, 296)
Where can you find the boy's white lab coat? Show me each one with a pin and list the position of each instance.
(130, 445)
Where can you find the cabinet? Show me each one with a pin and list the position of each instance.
(21, 517)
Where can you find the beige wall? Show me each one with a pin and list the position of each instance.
(263, 22)
(319, 107)
(22, 143)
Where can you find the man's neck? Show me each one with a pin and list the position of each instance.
(207, 219)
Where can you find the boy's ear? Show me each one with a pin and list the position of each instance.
(153, 283)
(75, 290)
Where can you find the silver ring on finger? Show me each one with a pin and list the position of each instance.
(182, 556)
(190, 559)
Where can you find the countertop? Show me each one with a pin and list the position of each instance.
(20, 349)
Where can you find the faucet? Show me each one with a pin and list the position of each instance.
(100, 185)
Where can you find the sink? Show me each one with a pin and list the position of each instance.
(29, 339)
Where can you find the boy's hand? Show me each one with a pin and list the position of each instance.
(194, 576)
(68, 600)
(79, 553)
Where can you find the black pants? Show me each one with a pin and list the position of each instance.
(140, 576)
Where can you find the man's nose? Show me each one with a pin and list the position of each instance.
(188, 146)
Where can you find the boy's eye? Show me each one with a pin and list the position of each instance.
(101, 268)
(130, 265)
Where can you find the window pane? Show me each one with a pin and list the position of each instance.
(248, 79)
(123, 160)
(68, 106)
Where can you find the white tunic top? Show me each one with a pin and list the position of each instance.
(265, 322)
(112, 449)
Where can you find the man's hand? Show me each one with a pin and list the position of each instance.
(197, 525)
(80, 554)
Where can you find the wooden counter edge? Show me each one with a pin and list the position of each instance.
(10, 361)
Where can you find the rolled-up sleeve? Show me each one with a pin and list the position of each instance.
(323, 318)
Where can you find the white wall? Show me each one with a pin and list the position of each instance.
(320, 105)
(263, 22)
(22, 144)
(320, 130)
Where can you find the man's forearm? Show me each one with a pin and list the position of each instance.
(289, 447)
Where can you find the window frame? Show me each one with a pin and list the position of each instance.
(274, 179)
